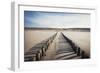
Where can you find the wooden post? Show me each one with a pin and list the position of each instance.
(78, 51)
(82, 54)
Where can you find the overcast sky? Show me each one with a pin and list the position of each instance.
(56, 20)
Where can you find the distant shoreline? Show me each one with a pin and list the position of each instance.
(71, 29)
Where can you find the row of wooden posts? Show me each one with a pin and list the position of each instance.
(76, 48)
(39, 50)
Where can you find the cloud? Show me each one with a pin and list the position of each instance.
(57, 20)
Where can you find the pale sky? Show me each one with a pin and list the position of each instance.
(56, 20)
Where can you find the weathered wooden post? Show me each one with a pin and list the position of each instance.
(78, 51)
(82, 54)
